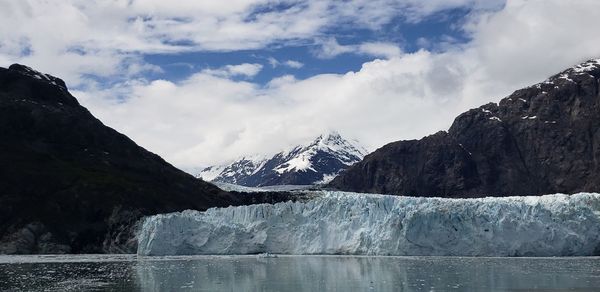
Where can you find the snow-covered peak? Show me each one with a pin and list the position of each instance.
(337, 143)
(329, 137)
(586, 67)
(300, 159)
(321, 160)
(333, 142)
(245, 165)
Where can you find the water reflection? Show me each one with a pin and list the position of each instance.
(297, 273)
(368, 273)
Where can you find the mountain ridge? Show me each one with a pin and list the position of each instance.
(70, 184)
(544, 138)
(315, 162)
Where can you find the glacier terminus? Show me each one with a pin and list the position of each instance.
(370, 224)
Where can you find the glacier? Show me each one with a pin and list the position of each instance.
(369, 224)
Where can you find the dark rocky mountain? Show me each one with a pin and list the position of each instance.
(69, 184)
(316, 162)
(539, 140)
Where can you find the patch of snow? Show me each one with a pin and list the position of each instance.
(33, 73)
(587, 66)
(211, 172)
(299, 163)
(259, 166)
(529, 118)
(583, 68)
(523, 100)
(495, 119)
(327, 178)
(565, 76)
(486, 111)
(28, 71)
(351, 223)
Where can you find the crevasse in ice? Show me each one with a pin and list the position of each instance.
(366, 224)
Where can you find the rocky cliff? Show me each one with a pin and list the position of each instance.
(539, 140)
(70, 184)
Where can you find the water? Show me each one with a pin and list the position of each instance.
(296, 273)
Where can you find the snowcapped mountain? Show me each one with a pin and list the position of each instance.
(316, 162)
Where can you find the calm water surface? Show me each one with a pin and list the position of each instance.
(296, 273)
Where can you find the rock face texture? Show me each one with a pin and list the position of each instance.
(69, 184)
(317, 162)
(540, 140)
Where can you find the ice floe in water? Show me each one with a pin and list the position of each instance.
(365, 224)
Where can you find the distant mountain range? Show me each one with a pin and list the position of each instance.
(542, 139)
(317, 162)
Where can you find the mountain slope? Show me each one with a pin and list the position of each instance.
(540, 140)
(70, 184)
(318, 161)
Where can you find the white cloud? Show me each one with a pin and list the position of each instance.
(289, 63)
(73, 38)
(207, 119)
(244, 70)
(423, 42)
(330, 48)
(293, 64)
(380, 49)
(273, 62)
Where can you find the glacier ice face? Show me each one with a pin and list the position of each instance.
(365, 224)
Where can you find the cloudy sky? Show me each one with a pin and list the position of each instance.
(202, 82)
